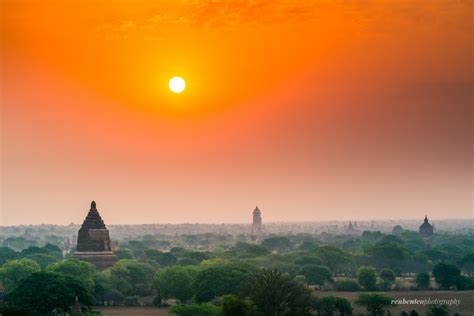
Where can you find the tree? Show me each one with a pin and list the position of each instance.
(194, 310)
(277, 294)
(332, 257)
(446, 275)
(327, 305)
(343, 306)
(218, 280)
(316, 275)
(304, 260)
(75, 268)
(124, 253)
(438, 310)
(388, 251)
(43, 259)
(7, 310)
(467, 264)
(131, 277)
(7, 254)
(164, 259)
(308, 245)
(246, 250)
(347, 285)
(44, 292)
(367, 277)
(374, 303)
(422, 280)
(14, 271)
(232, 305)
(278, 244)
(176, 282)
(388, 277)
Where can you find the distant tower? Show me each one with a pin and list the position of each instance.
(426, 229)
(257, 221)
(350, 229)
(93, 241)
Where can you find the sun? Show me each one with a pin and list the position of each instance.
(177, 84)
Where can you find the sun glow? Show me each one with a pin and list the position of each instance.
(177, 84)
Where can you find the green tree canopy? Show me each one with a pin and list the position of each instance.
(131, 277)
(176, 282)
(217, 280)
(367, 277)
(124, 253)
(375, 304)
(446, 275)
(164, 259)
(422, 280)
(388, 277)
(277, 294)
(195, 310)
(277, 243)
(315, 274)
(438, 310)
(246, 250)
(44, 292)
(328, 305)
(43, 259)
(14, 271)
(332, 257)
(467, 264)
(75, 268)
(6, 254)
(234, 306)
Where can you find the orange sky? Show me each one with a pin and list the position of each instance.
(311, 109)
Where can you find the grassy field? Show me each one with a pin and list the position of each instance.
(465, 308)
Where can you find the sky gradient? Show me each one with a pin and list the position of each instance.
(312, 110)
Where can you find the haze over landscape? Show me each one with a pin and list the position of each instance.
(312, 110)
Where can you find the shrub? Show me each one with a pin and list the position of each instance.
(347, 285)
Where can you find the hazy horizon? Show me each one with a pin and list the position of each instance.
(365, 114)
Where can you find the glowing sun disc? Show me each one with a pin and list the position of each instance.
(177, 84)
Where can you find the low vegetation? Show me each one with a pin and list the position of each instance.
(240, 275)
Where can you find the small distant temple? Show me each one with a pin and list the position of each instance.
(257, 221)
(426, 229)
(352, 228)
(397, 230)
(93, 241)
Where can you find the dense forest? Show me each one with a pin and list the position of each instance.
(224, 274)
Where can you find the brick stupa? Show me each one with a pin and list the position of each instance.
(93, 241)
